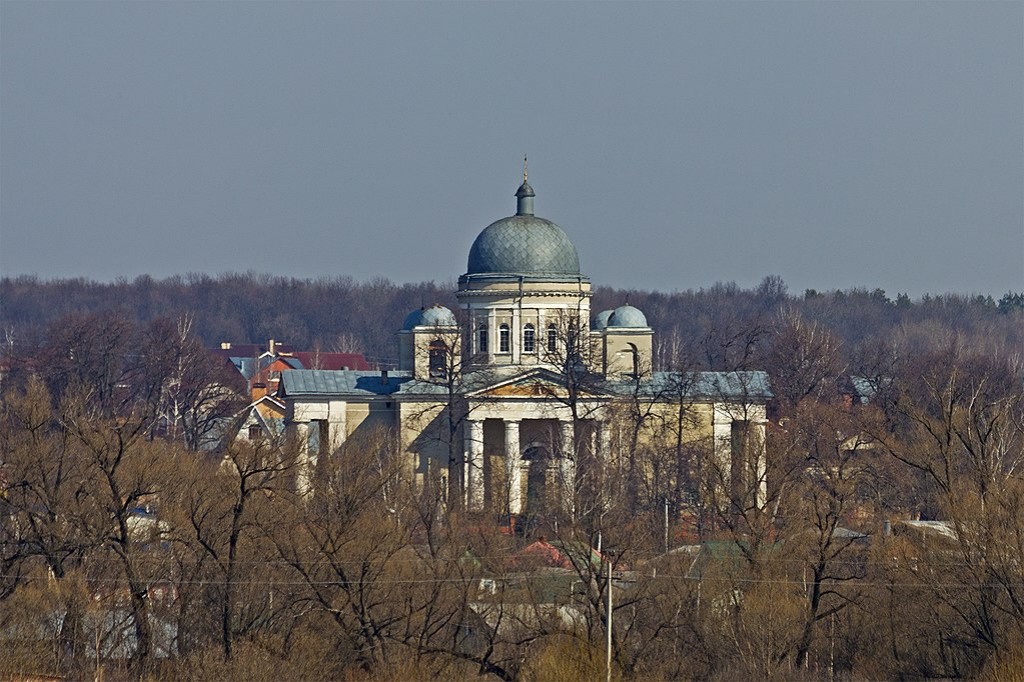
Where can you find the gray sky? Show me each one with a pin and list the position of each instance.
(838, 144)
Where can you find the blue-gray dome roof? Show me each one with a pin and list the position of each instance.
(601, 321)
(434, 316)
(627, 316)
(523, 244)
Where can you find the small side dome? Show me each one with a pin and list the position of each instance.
(434, 316)
(627, 316)
(601, 321)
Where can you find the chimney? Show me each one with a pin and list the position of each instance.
(270, 346)
(225, 345)
(886, 528)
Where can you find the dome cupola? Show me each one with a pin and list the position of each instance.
(523, 244)
(524, 198)
(434, 316)
(601, 321)
(627, 316)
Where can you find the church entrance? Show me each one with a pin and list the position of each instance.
(540, 462)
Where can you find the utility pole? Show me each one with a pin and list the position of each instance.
(666, 523)
(608, 625)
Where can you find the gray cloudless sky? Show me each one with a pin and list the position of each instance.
(836, 144)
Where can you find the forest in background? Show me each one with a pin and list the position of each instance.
(722, 327)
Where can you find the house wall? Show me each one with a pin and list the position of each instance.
(425, 439)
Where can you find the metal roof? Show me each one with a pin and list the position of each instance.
(752, 385)
(661, 385)
(327, 382)
(626, 316)
(434, 316)
(523, 244)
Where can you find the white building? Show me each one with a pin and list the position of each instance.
(508, 395)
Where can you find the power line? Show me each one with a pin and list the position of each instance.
(526, 577)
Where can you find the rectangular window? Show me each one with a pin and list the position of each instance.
(503, 339)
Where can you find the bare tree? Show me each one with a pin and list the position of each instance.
(224, 510)
(958, 419)
(124, 467)
(449, 373)
(49, 513)
(572, 355)
(804, 360)
(837, 460)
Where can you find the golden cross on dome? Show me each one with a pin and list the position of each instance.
(524, 168)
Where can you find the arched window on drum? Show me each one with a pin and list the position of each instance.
(529, 339)
(504, 342)
(481, 338)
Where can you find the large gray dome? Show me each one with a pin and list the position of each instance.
(523, 244)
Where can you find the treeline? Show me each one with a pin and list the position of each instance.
(333, 314)
(720, 327)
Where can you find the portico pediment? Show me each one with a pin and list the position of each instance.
(534, 384)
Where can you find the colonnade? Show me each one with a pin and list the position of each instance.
(731, 432)
(564, 456)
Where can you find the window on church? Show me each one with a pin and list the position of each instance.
(552, 338)
(503, 339)
(632, 359)
(481, 339)
(438, 364)
(529, 339)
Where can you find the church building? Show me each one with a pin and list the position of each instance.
(522, 394)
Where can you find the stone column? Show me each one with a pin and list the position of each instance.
(338, 429)
(492, 337)
(721, 427)
(474, 458)
(303, 468)
(516, 337)
(513, 467)
(603, 458)
(759, 466)
(567, 467)
(604, 443)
